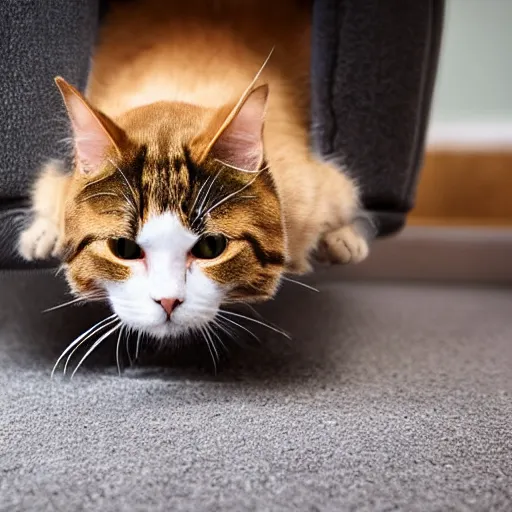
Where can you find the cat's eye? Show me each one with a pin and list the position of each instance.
(125, 249)
(209, 247)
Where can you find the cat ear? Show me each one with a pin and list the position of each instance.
(239, 141)
(93, 133)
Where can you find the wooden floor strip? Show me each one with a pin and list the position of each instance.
(464, 188)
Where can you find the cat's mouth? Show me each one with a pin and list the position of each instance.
(160, 325)
(168, 329)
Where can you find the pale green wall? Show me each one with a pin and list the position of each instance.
(475, 75)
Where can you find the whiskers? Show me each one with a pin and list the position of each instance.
(96, 344)
(76, 301)
(229, 322)
(85, 299)
(212, 324)
(235, 168)
(203, 196)
(112, 323)
(81, 300)
(224, 312)
(206, 332)
(104, 328)
(133, 356)
(99, 194)
(199, 215)
(300, 283)
(203, 211)
(132, 201)
(118, 350)
(225, 323)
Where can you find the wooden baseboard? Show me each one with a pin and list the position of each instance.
(462, 187)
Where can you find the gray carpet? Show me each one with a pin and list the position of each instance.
(390, 397)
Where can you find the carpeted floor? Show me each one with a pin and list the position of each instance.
(390, 397)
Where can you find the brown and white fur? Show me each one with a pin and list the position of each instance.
(171, 145)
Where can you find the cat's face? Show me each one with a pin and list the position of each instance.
(172, 215)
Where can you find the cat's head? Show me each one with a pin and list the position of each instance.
(172, 211)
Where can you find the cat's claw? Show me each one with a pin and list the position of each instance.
(344, 245)
(39, 241)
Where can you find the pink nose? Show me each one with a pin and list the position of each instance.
(169, 305)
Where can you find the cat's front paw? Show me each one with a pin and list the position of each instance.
(343, 245)
(39, 241)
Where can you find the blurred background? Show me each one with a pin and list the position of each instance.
(467, 177)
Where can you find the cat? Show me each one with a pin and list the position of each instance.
(194, 184)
